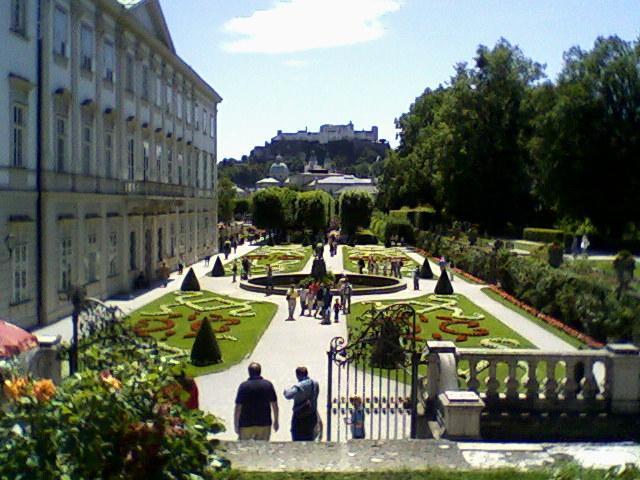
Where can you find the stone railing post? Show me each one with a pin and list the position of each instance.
(625, 384)
(434, 349)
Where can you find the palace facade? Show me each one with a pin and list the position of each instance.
(107, 153)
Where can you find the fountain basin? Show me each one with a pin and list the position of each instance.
(362, 284)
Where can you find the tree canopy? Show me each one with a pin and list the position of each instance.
(355, 210)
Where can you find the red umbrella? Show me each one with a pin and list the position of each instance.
(14, 340)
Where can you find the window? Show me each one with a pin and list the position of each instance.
(145, 159)
(87, 144)
(86, 45)
(145, 82)
(129, 73)
(180, 158)
(65, 263)
(108, 153)
(18, 134)
(60, 32)
(169, 91)
(159, 163)
(159, 91)
(113, 254)
(182, 234)
(61, 143)
(196, 112)
(189, 111)
(169, 165)
(160, 245)
(109, 61)
(204, 121)
(131, 156)
(19, 16)
(179, 105)
(198, 157)
(132, 251)
(91, 264)
(212, 126)
(189, 160)
(172, 240)
(19, 267)
(205, 180)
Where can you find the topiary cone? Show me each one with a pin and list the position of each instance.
(190, 282)
(443, 287)
(425, 271)
(218, 269)
(205, 350)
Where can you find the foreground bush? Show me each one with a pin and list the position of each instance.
(127, 422)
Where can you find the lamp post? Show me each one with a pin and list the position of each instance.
(77, 296)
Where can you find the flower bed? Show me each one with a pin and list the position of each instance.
(282, 258)
(381, 254)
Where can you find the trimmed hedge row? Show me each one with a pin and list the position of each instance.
(421, 218)
(545, 235)
(577, 300)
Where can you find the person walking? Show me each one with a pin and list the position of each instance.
(234, 245)
(234, 270)
(347, 290)
(292, 299)
(326, 303)
(302, 294)
(584, 245)
(574, 247)
(255, 402)
(305, 406)
(320, 301)
(164, 274)
(416, 278)
(180, 268)
(357, 418)
(207, 258)
(360, 265)
(336, 310)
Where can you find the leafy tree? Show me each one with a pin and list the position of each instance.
(267, 209)
(314, 210)
(242, 207)
(355, 210)
(226, 199)
(586, 141)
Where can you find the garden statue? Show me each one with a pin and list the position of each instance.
(318, 268)
(624, 264)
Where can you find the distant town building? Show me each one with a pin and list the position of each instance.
(330, 133)
(107, 153)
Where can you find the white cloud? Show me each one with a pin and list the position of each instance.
(299, 25)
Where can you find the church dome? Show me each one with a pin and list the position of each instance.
(279, 170)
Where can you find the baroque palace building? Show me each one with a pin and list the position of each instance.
(107, 153)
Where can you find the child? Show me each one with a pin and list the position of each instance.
(357, 418)
(336, 310)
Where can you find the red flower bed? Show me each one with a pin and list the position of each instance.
(423, 318)
(554, 322)
(436, 336)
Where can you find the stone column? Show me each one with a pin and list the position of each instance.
(433, 351)
(625, 383)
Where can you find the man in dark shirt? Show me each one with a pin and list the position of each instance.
(252, 417)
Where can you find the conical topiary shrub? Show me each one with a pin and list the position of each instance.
(425, 271)
(190, 282)
(443, 287)
(205, 349)
(218, 269)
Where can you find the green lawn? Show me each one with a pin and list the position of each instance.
(181, 308)
(283, 259)
(558, 333)
(381, 254)
(429, 307)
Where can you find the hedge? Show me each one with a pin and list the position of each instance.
(399, 227)
(544, 235)
(578, 300)
(364, 237)
(421, 218)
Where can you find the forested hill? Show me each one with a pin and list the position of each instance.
(356, 157)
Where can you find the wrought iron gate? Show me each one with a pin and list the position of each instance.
(381, 367)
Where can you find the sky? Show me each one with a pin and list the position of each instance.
(295, 64)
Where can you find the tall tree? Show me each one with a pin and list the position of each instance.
(355, 211)
(226, 199)
(314, 210)
(267, 209)
(587, 136)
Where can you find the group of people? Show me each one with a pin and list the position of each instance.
(317, 300)
(387, 267)
(583, 246)
(228, 245)
(257, 412)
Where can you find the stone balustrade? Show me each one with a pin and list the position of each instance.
(510, 380)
